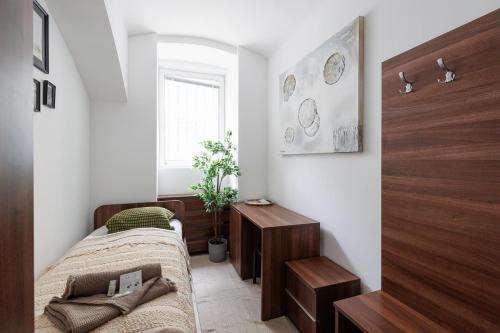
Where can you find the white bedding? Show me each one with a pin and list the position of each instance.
(104, 231)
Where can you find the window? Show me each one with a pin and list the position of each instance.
(191, 110)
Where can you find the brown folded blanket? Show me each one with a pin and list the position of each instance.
(84, 304)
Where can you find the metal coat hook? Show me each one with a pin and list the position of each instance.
(408, 85)
(449, 75)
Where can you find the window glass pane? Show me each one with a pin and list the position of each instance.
(191, 115)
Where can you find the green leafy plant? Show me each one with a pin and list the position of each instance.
(216, 162)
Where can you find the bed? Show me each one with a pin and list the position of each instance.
(171, 313)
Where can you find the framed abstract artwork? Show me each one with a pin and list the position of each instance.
(40, 38)
(321, 97)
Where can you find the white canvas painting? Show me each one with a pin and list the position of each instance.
(321, 97)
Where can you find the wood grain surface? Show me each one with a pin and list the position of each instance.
(278, 246)
(273, 216)
(379, 312)
(315, 283)
(441, 179)
(318, 272)
(16, 166)
(197, 224)
(283, 234)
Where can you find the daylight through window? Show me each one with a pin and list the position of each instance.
(191, 111)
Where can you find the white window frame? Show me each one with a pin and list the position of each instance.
(193, 76)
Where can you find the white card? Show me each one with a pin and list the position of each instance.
(130, 282)
(112, 288)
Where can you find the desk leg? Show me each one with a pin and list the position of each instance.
(272, 280)
(278, 246)
(235, 239)
(243, 238)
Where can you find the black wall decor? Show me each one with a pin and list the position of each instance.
(40, 38)
(36, 95)
(49, 94)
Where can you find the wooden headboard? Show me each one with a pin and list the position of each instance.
(103, 213)
(441, 179)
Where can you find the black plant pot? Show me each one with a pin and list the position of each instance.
(217, 251)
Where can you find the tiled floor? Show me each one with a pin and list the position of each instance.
(228, 305)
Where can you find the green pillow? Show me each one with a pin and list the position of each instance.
(144, 217)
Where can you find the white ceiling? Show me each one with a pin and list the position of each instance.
(195, 54)
(91, 29)
(260, 25)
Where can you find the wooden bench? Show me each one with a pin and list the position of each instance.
(379, 312)
(440, 203)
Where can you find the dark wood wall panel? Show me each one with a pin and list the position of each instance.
(197, 224)
(16, 166)
(441, 179)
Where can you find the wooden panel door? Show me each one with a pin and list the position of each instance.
(16, 166)
(441, 179)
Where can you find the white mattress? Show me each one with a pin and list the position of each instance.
(104, 231)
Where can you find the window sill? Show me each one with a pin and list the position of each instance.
(164, 197)
(180, 167)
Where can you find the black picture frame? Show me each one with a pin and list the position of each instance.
(36, 95)
(49, 94)
(40, 14)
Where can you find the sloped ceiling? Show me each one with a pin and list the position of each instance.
(87, 29)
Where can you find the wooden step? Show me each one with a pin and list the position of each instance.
(379, 312)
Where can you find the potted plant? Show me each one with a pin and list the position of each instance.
(216, 162)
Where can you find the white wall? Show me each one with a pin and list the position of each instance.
(252, 128)
(342, 191)
(123, 135)
(177, 180)
(61, 158)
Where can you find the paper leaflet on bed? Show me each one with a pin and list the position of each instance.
(130, 282)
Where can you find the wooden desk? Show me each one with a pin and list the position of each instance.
(284, 235)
